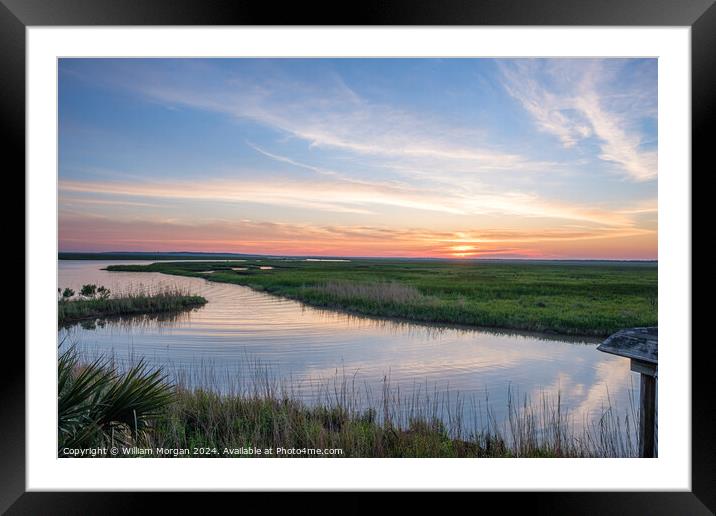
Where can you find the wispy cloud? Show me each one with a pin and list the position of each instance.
(334, 116)
(574, 108)
(336, 195)
(72, 201)
(284, 159)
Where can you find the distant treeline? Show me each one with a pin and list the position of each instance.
(151, 256)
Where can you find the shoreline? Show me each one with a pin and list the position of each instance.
(497, 330)
(522, 310)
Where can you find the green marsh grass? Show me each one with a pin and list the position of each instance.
(564, 298)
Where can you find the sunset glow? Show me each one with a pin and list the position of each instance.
(454, 158)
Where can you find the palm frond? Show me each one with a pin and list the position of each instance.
(98, 405)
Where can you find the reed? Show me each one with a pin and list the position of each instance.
(141, 300)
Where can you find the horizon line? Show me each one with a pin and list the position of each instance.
(229, 253)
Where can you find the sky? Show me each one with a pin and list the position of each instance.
(444, 158)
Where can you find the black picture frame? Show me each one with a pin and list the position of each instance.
(700, 15)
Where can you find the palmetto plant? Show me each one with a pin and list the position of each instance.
(97, 405)
(88, 290)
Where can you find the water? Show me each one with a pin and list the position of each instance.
(240, 331)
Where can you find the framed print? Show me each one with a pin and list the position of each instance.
(428, 251)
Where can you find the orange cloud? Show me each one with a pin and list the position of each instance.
(81, 232)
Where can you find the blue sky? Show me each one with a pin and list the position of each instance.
(362, 157)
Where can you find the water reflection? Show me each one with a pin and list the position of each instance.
(240, 333)
(433, 330)
(129, 322)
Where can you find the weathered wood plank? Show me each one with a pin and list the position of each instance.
(643, 367)
(647, 417)
(636, 343)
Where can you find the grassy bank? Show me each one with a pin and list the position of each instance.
(567, 298)
(224, 424)
(70, 310)
(140, 409)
